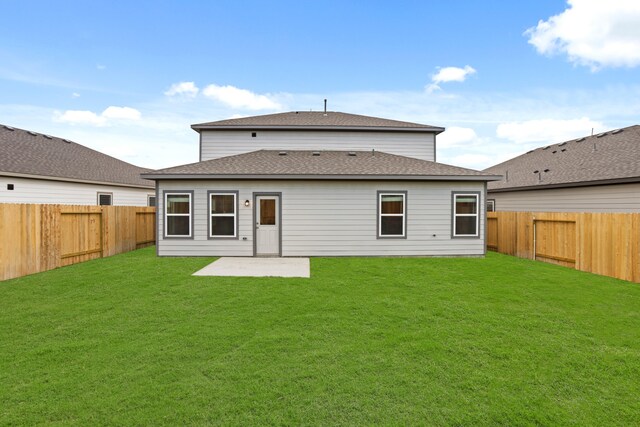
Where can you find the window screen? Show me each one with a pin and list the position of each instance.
(178, 215)
(223, 215)
(391, 215)
(105, 199)
(465, 215)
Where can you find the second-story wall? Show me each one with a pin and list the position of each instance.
(222, 143)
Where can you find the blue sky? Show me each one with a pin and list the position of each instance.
(128, 78)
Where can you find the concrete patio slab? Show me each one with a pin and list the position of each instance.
(257, 267)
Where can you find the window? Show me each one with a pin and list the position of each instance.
(491, 205)
(465, 214)
(177, 215)
(105, 199)
(392, 214)
(151, 200)
(223, 207)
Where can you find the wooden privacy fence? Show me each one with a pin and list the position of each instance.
(36, 238)
(601, 243)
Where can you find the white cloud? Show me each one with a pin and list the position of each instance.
(240, 98)
(101, 67)
(80, 117)
(593, 33)
(121, 113)
(183, 88)
(449, 74)
(455, 136)
(84, 117)
(547, 130)
(162, 136)
(75, 95)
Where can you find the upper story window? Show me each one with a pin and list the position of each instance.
(465, 214)
(178, 214)
(491, 205)
(151, 200)
(392, 218)
(105, 199)
(223, 209)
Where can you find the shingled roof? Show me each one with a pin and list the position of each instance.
(273, 164)
(607, 157)
(317, 120)
(26, 153)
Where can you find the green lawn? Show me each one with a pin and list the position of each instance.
(135, 340)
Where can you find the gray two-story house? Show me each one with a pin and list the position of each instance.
(319, 184)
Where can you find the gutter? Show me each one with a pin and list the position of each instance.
(82, 181)
(434, 129)
(481, 178)
(567, 185)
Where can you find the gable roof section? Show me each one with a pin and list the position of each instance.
(31, 154)
(317, 120)
(334, 165)
(609, 157)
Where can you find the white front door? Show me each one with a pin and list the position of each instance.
(268, 225)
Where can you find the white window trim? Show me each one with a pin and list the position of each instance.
(234, 215)
(102, 193)
(166, 215)
(403, 215)
(493, 203)
(456, 214)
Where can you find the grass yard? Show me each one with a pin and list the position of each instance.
(135, 340)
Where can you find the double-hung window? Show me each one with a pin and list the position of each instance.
(392, 214)
(223, 210)
(177, 217)
(465, 214)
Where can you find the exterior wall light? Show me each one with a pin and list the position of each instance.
(246, 203)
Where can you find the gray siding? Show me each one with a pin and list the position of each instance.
(601, 198)
(215, 144)
(331, 219)
(68, 193)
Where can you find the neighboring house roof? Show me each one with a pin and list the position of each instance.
(317, 120)
(608, 157)
(274, 164)
(30, 154)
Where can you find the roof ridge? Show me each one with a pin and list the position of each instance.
(38, 154)
(612, 155)
(316, 120)
(330, 163)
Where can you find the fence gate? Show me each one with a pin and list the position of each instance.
(554, 240)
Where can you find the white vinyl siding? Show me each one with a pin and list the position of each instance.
(68, 193)
(601, 198)
(221, 143)
(337, 218)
